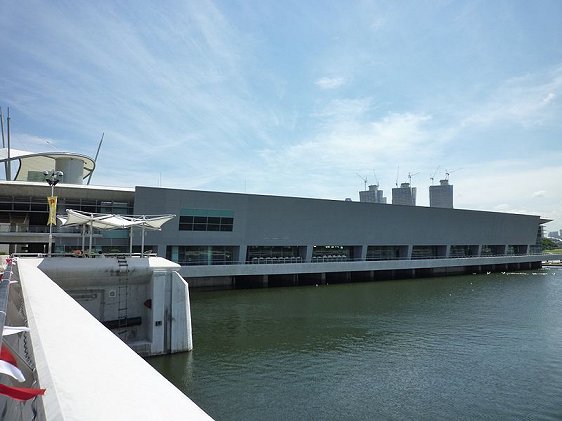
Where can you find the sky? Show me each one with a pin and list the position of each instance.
(296, 98)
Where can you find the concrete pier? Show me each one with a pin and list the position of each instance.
(144, 301)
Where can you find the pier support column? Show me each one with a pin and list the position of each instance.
(363, 256)
(309, 250)
(242, 252)
(409, 254)
(447, 251)
(157, 317)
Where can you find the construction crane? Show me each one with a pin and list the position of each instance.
(376, 179)
(364, 180)
(410, 177)
(432, 178)
(448, 172)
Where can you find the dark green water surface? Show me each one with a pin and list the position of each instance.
(466, 347)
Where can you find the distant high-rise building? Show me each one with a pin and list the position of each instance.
(373, 195)
(555, 234)
(441, 196)
(404, 195)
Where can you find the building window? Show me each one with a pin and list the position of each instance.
(275, 254)
(463, 251)
(386, 252)
(201, 255)
(493, 250)
(333, 253)
(428, 252)
(206, 220)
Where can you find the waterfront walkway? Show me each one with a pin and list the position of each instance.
(287, 273)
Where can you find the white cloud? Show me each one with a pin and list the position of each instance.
(330, 82)
(549, 98)
(32, 143)
(517, 186)
(521, 100)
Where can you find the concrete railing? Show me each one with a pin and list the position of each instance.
(87, 371)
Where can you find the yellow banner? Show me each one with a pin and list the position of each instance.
(52, 210)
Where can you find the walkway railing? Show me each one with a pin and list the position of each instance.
(86, 254)
(333, 259)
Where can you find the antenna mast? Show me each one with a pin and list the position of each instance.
(96, 158)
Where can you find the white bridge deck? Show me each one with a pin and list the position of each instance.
(87, 371)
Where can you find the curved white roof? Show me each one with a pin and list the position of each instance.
(111, 221)
(39, 161)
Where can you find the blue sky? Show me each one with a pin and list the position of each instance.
(300, 98)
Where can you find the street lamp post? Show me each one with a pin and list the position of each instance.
(52, 177)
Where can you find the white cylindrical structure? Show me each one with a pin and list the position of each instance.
(72, 168)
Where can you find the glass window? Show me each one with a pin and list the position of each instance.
(205, 223)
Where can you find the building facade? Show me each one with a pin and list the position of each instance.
(373, 195)
(404, 195)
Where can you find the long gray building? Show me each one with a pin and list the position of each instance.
(247, 239)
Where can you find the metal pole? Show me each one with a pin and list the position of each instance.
(9, 174)
(131, 241)
(142, 242)
(3, 141)
(4, 291)
(52, 177)
(91, 234)
(51, 225)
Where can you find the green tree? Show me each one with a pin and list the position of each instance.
(548, 244)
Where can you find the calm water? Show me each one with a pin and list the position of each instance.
(467, 347)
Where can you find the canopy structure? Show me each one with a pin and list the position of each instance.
(106, 221)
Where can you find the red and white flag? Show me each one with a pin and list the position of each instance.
(12, 330)
(20, 393)
(9, 365)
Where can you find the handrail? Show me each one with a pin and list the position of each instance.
(85, 254)
(4, 291)
(273, 260)
(332, 259)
